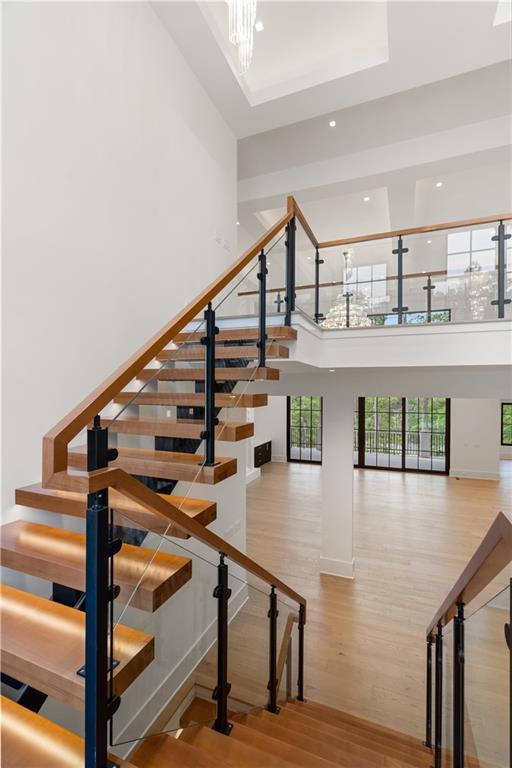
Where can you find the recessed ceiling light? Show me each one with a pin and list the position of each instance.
(428, 242)
(332, 124)
(309, 258)
(439, 184)
(238, 223)
(366, 199)
(331, 370)
(259, 26)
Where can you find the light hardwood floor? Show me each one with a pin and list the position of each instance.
(413, 534)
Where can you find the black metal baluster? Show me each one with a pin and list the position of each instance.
(318, 262)
(508, 640)
(399, 251)
(429, 288)
(222, 593)
(438, 735)
(347, 296)
(278, 302)
(262, 323)
(501, 300)
(272, 677)
(458, 687)
(290, 271)
(210, 420)
(99, 706)
(300, 680)
(428, 696)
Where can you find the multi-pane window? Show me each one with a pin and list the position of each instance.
(369, 281)
(305, 428)
(506, 423)
(471, 250)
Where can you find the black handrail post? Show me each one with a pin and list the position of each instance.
(222, 593)
(318, 262)
(501, 300)
(290, 271)
(458, 687)
(399, 251)
(272, 677)
(210, 420)
(428, 697)
(99, 706)
(300, 680)
(438, 735)
(262, 322)
(347, 296)
(429, 288)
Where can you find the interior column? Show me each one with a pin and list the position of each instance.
(337, 556)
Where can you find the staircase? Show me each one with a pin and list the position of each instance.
(117, 550)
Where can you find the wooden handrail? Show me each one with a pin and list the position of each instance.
(293, 206)
(55, 442)
(492, 556)
(417, 230)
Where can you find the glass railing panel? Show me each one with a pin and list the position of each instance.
(447, 708)
(305, 253)
(487, 693)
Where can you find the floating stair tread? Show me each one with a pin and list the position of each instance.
(130, 514)
(292, 719)
(31, 741)
(191, 399)
(231, 751)
(163, 750)
(335, 716)
(246, 351)
(227, 431)
(276, 748)
(146, 578)
(43, 644)
(169, 465)
(339, 750)
(221, 374)
(240, 334)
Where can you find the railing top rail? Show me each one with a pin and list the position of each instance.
(492, 555)
(417, 230)
(295, 209)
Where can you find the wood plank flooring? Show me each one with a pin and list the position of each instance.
(413, 534)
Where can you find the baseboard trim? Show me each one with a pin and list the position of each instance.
(463, 473)
(252, 474)
(344, 569)
(277, 457)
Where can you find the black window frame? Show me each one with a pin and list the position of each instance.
(502, 424)
(289, 427)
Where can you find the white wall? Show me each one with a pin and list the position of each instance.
(270, 424)
(118, 175)
(119, 206)
(475, 438)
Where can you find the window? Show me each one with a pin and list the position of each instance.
(506, 423)
(305, 429)
(369, 281)
(470, 250)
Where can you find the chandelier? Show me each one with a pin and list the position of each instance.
(348, 311)
(242, 16)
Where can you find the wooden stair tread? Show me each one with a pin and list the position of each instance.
(304, 724)
(246, 351)
(346, 755)
(221, 374)
(130, 513)
(334, 716)
(43, 644)
(146, 578)
(240, 334)
(170, 465)
(30, 740)
(192, 399)
(164, 750)
(276, 748)
(227, 431)
(231, 751)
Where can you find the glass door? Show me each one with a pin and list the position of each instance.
(304, 429)
(402, 433)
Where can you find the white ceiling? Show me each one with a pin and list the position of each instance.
(300, 71)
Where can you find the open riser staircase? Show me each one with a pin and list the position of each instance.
(129, 562)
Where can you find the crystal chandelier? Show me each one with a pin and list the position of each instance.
(348, 311)
(242, 17)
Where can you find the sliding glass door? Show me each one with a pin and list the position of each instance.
(305, 429)
(403, 433)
